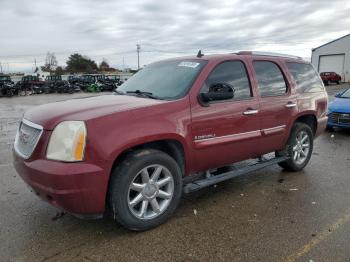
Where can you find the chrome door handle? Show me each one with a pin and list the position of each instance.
(291, 105)
(250, 112)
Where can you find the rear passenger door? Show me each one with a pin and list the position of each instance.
(277, 104)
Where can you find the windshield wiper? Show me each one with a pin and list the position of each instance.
(144, 94)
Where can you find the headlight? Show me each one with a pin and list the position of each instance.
(67, 142)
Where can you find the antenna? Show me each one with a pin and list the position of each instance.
(199, 54)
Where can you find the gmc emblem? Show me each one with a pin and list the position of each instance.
(23, 137)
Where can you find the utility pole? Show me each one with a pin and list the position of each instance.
(1, 67)
(138, 48)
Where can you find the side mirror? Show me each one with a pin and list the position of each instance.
(217, 92)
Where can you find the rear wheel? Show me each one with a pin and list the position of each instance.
(9, 93)
(145, 189)
(299, 148)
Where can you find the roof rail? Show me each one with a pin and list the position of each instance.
(267, 54)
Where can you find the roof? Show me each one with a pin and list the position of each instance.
(330, 42)
(253, 54)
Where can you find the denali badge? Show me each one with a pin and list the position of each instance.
(204, 137)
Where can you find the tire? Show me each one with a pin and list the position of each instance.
(297, 160)
(22, 92)
(127, 202)
(9, 93)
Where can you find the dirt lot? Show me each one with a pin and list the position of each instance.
(270, 215)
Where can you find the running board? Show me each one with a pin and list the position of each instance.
(214, 179)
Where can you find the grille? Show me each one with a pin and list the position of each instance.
(334, 117)
(340, 118)
(27, 138)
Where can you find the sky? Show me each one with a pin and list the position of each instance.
(111, 29)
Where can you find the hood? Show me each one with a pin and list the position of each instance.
(341, 105)
(49, 115)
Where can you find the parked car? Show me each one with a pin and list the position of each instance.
(133, 153)
(30, 85)
(52, 84)
(339, 110)
(7, 87)
(76, 83)
(115, 79)
(330, 77)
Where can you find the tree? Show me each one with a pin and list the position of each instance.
(59, 71)
(50, 62)
(77, 63)
(104, 66)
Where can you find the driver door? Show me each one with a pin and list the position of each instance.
(226, 131)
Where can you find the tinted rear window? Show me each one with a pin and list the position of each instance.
(270, 79)
(305, 77)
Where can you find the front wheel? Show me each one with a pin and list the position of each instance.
(299, 148)
(145, 189)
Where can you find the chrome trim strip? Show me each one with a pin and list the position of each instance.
(269, 131)
(227, 136)
(31, 124)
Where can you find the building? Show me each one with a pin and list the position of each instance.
(333, 56)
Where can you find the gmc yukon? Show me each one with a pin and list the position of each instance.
(175, 126)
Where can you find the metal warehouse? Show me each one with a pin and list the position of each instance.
(333, 56)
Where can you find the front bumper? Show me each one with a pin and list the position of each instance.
(78, 188)
(335, 122)
(332, 124)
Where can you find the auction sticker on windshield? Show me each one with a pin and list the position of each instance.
(188, 64)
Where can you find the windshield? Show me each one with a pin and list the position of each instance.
(165, 80)
(346, 94)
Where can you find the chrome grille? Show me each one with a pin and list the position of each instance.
(334, 117)
(27, 138)
(340, 118)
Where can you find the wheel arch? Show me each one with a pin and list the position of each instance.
(308, 119)
(171, 146)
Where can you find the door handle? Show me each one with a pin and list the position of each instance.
(290, 105)
(250, 112)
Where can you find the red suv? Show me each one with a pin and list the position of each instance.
(176, 126)
(330, 77)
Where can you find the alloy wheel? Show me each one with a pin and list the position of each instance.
(150, 192)
(301, 148)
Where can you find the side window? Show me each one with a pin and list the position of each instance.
(306, 77)
(270, 79)
(233, 74)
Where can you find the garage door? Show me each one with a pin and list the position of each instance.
(332, 63)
